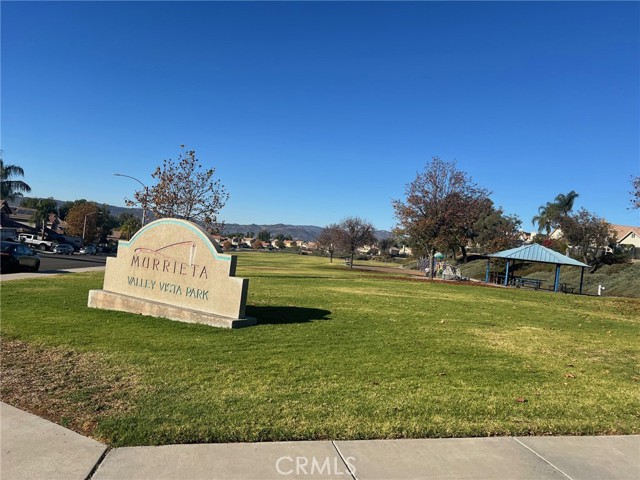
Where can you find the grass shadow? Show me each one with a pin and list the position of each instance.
(283, 315)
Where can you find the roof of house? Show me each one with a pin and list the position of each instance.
(7, 222)
(537, 253)
(623, 230)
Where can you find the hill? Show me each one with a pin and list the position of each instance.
(300, 232)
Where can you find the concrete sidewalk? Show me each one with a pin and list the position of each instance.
(33, 448)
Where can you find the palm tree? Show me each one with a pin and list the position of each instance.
(564, 203)
(43, 207)
(545, 216)
(129, 228)
(549, 215)
(9, 188)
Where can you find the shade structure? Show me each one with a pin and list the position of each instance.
(539, 254)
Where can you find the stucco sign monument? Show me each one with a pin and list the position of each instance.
(172, 268)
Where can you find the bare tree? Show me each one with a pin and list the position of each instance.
(330, 239)
(184, 190)
(635, 192)
(436, 208)
(355, 233)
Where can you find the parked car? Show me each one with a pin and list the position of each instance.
(89, 250)
(17, 256)
(63, 249)
(35, 242)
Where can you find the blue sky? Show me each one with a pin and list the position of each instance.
(314, 111)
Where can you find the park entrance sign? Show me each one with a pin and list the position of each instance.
(173, 269)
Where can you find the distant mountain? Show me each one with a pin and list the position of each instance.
(300, 232)
(307, 233)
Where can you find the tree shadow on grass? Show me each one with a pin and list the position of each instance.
(283, 314)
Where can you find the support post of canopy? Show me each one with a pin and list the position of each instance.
(557, 283)
(506, 274)
(486, 277)
(581, 278)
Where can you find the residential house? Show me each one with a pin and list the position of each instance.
(628, 236)
(527, 237)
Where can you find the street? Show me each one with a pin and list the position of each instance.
(50, 261)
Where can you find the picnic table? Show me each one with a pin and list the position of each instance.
(528, 282)
(566, 288)
(499, 279)
(563, 287)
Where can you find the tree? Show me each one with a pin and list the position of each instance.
(184, 190)
(105, 223)
(550, 214)
(355, 233)
(124, 217)
(11, 189)
(66, 206)
(557, 244)
(468, 210)
(330, 238)
(544, 218)
(43, 208)
(436, 210)
(635, 192)
(496, 231)
(386, 244)
(82, 220)
(129, 226)
(587, 233)
(265, 236)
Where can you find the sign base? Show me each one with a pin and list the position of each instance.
(125, 303)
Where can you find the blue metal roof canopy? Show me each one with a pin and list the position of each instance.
(536, 253)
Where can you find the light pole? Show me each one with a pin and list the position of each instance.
(146, 192)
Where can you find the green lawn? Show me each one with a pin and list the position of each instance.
(337, 354)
